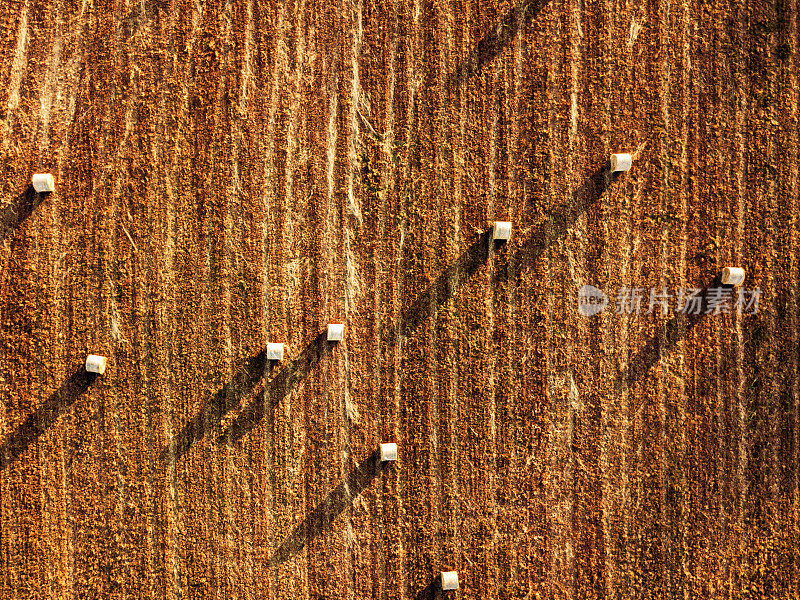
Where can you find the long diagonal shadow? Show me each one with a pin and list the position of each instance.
(676, 329)
(20, 208)
(561, 219)
(466, 265)
(227, 398)
(239, 394)
(275, 390)
(446, 285)
(432, 591)
(337, 500)
(496, 40)
(437, 293)
(230, 396)
(43, 417)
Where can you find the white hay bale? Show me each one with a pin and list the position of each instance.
(43, 182)
(96, 364)
(274, 351)
(732, 276)
(449, 580)
(501, 230)
(388, 452)
(620, 162)
(335, 332)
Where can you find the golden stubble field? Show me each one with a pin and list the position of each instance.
(233, 173)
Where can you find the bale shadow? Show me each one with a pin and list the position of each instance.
(675, 330)
(325, 513)
(45, 416)
(560, 220)
(230, 396)
(433, 591)
(437, 293)
(275, 390)
(465, 266)
(227, 398)
(496, 40)
(446, 285)
(20, 208)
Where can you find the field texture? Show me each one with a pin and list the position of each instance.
(233, 173)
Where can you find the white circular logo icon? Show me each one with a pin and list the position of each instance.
(591, 300)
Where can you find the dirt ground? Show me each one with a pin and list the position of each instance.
(235, 173)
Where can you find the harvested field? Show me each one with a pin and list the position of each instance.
(233, 173)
